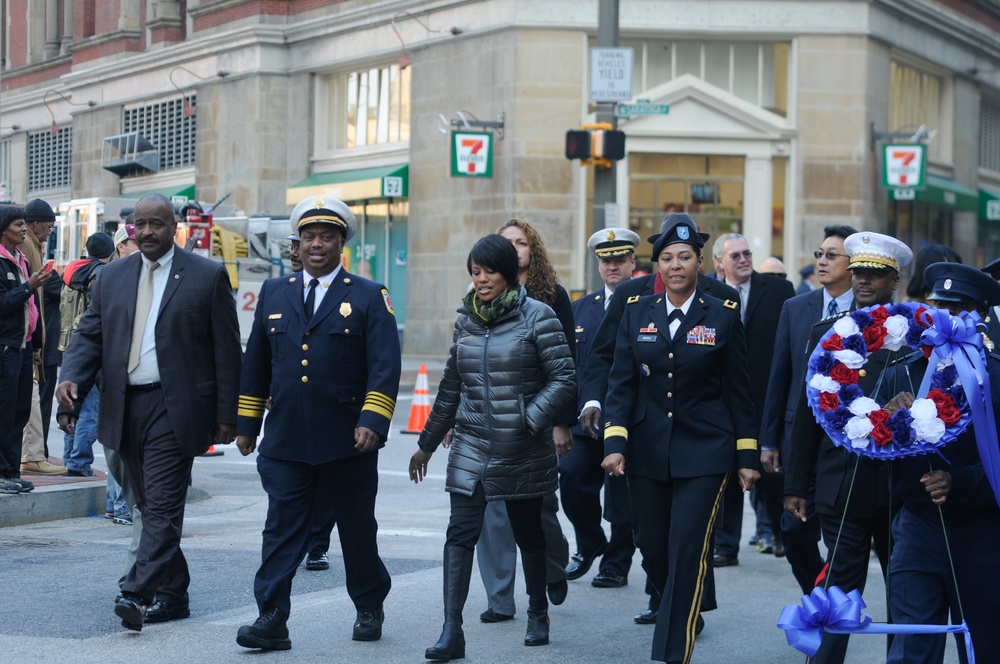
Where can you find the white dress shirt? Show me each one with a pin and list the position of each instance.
(744, 291)
(674, 324)
(321, 288)
(148, 371)
(607, 298)
(844, 302)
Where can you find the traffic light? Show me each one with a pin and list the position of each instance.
(578, 144)
(597, 144)
(609, 144)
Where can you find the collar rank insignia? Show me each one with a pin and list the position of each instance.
(729, 304)
(633, 299)
(701, 336)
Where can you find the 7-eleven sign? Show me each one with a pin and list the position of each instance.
(471, 154)
(903, 166)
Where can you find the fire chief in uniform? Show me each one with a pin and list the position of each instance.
(679, 420)
(325, 348)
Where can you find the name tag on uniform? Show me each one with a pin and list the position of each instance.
(701, 336)
(273, 316)
(647, 338)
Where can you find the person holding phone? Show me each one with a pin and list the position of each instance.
(18, 341)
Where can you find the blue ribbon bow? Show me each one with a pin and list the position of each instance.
(831, 610)
(958, 337)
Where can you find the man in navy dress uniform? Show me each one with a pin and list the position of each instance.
(324, 346)
(580, 474)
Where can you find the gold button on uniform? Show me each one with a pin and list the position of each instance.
(346, 331)
(305, 346)
(305, 363)
(308, 333)
(862, 373)
(670, 395)
(670, 414)
(305, 379)
(670, 374)
(670, 356)
(272, 329)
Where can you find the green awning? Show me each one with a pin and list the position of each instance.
(356, 185)
(186, 190)
(942, 191)
(989, 205)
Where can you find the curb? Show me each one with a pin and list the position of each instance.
(53, 503)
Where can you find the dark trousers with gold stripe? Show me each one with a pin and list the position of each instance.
(673, 521)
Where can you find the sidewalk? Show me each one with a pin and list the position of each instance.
(64, 497)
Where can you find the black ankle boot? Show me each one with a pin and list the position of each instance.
(457, 573)
(538, 606)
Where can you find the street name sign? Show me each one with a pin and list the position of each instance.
(642, 107)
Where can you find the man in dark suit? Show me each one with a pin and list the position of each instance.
(594, 385)
(786, 386)
(324, 344)
(761, 297)
(849, 528)
(580, 473)
(165, 396)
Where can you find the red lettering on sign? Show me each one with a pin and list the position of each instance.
(476, 145)
(249, 301)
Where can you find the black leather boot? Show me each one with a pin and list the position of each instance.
(538, 606)
(457, 573)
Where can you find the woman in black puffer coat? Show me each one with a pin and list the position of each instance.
(510, 370)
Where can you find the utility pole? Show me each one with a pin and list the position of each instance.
(604, 178)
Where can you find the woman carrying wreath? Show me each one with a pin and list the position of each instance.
(508, 371)
(680, 419)
(925, 585)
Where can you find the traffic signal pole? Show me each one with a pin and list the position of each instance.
(604, 178)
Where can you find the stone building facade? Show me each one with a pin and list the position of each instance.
(776, 112)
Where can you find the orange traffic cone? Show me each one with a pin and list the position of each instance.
(211, 451)
(420, 409)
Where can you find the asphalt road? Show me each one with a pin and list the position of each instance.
(60, 578)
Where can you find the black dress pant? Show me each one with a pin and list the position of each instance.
(323, 520)
(349, 486)
(46, 393)
(160, 474)
(848, 557)
(581, 479)
(466, 522)
(15, 406)
(674, 522)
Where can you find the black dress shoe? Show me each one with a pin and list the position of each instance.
(491, 616)
(557, 591)
(317, 561)
(580, 564)
(779, 548)
(163, 611)
(608, 579)
(647, 617)
(269, 632)
(132, 610)
(725, 561)
(368, 626)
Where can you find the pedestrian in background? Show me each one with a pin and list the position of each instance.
(325, 348)
(40, 220)
(497, 553)
(917, 289)
(680, 420)
(508, 374)
(18, 323)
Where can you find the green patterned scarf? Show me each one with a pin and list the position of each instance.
(486, 313)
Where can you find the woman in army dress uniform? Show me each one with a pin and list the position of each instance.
(679, 420)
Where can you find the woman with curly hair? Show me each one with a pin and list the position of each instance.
(496, 551)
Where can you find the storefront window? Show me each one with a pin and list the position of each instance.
(366, 107)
